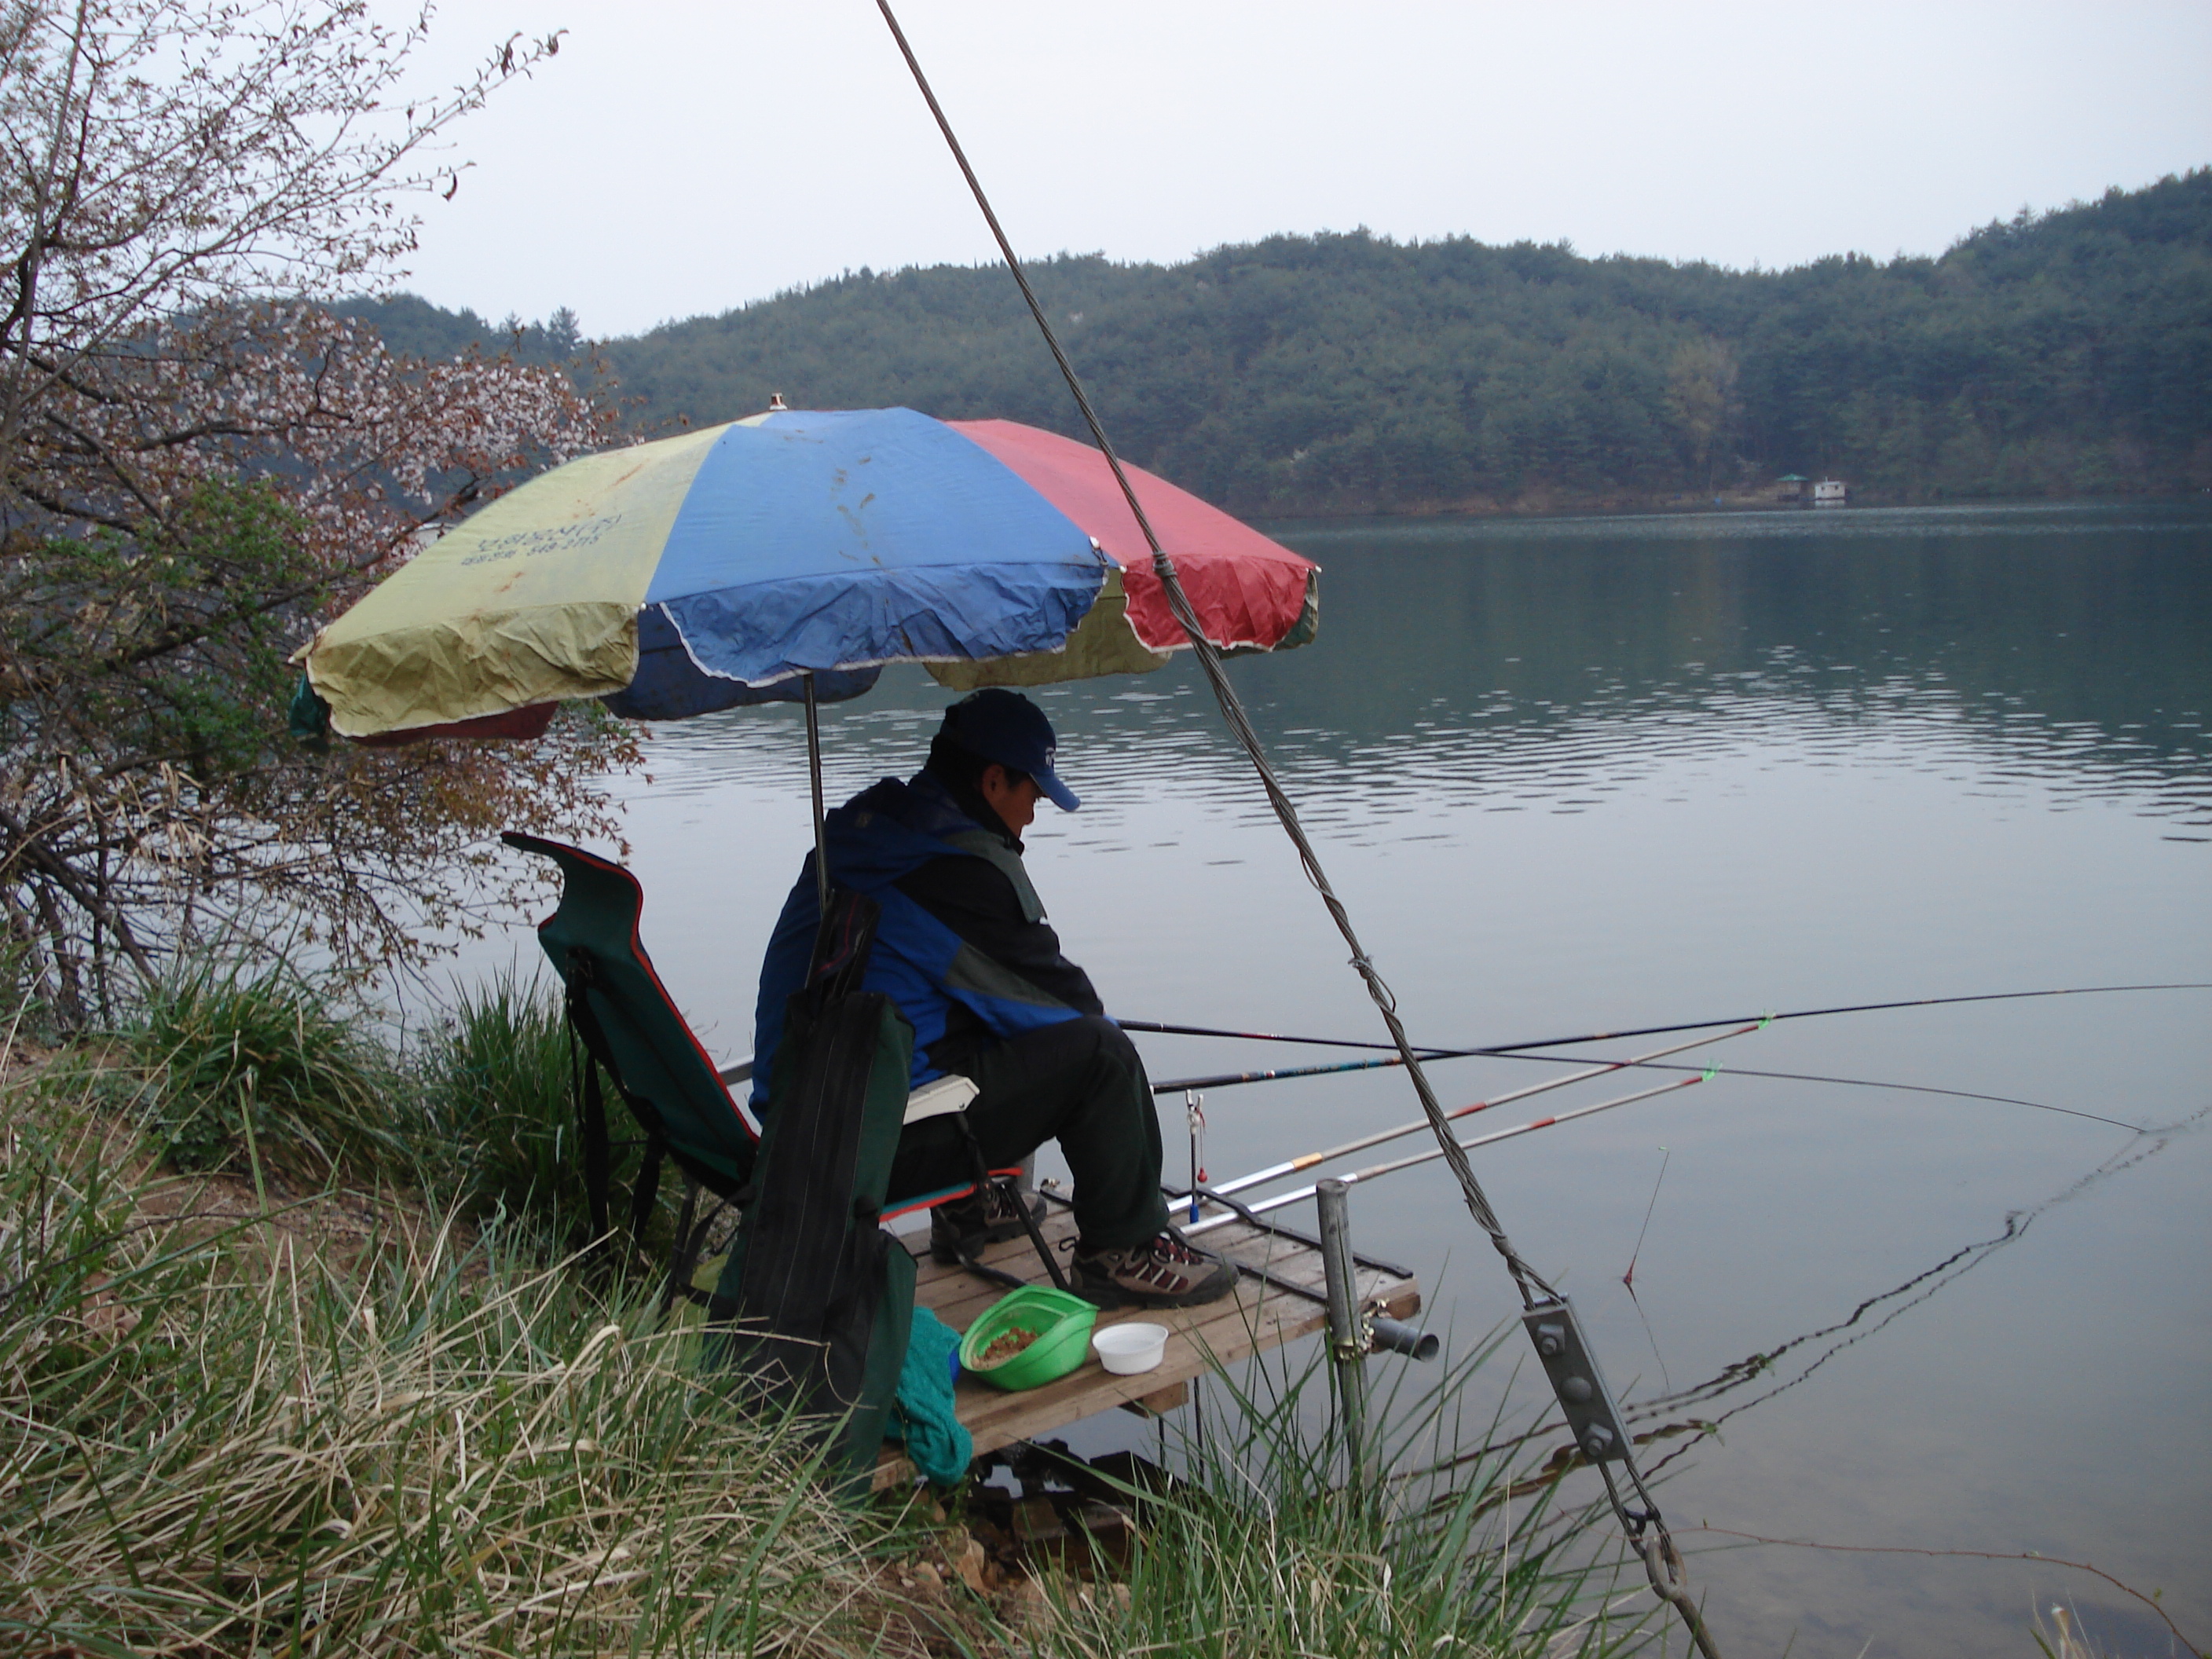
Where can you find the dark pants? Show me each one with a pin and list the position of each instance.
(1080, 1082)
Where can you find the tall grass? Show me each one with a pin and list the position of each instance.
(500, 1082)
(233, 1063)
(243, 1067)
(217, 1440)
(1266, 1548)
(213, 1444)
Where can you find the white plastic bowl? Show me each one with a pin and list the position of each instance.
(1128, 1349)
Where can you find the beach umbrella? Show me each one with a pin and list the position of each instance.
(788, 556)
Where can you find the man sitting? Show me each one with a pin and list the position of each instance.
(964, 949)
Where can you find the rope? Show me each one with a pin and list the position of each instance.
(1670, 1587)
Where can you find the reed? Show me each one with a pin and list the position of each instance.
(1265, 1544)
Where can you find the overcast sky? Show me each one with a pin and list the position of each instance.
(680, 158)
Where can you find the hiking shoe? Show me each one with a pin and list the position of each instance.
(985, 1218)
(1166, 1271)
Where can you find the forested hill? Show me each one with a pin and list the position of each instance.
(2062, 353)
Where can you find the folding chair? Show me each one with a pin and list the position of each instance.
(630, 1028)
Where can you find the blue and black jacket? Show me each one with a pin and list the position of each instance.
(962, 946)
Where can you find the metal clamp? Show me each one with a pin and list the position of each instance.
(1592, 1418)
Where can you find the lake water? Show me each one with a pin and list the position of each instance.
(1576, 776)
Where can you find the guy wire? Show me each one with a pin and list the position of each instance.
(1661, 1564)
(1524, 1276)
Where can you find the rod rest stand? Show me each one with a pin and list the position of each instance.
(1396, 1336)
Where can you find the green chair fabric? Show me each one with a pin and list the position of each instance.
(627, 1018)
(673, 1087)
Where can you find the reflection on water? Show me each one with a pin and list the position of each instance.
(1592, 775)
(1543, 664)
(1705, 1407)
(2072, 645)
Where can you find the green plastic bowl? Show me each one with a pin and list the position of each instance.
(1062, 1323)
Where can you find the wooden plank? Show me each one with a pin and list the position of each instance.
(1263, 1313)
(1160, 1401)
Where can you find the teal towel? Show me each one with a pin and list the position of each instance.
(922, 1415)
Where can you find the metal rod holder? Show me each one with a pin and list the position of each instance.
(1347, 1346)
(1396, 1336)
(814, 779)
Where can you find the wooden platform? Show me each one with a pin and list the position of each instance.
(1279, 1299)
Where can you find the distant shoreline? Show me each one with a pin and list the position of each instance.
(1628, 505)
(1339, 374)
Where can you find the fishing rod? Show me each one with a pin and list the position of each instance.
(1241, 1211)
(1647, 1532)
(1872, 1083)
(1308, 1160)
(1231, 1079)
(1169, 1028)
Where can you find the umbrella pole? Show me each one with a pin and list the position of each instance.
(814, 778)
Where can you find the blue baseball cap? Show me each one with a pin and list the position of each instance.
(1005, 726)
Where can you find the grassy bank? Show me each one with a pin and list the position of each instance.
(295, 1358)
(224, 1436)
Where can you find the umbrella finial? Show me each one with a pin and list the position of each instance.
(775, 402)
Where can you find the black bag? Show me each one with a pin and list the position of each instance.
(816, 1301)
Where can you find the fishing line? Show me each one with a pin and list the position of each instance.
(1629, 1278)
(1521, 1051)
(1232, 1079)
(1169, 1028)
(1849, 1332)
(1876, 1083)
(1637, 1302)
(1915, 1291)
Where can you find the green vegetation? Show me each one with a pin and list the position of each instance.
(502, 1113)
(252, 1417)
(229, 1066)
(198, 464)
(1267, 1549)
(2064, 354)
(434, 332)
(257, 1072)
(221, 1441)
